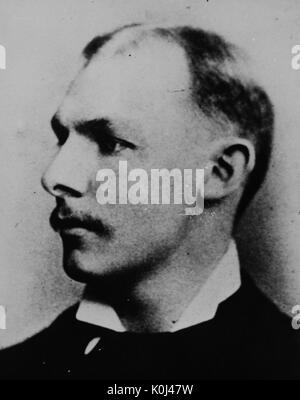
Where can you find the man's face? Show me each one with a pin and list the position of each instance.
(136, 107)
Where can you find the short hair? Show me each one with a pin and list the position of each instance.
(220, 92)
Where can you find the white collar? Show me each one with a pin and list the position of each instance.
(222, 283)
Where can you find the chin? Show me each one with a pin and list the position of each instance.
(86, 267)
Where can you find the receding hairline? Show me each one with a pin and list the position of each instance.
(224, 88)
(129, 38)
(120, 39)
(234, 62)
(123, 40)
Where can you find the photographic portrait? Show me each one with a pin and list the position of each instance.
(150, 190)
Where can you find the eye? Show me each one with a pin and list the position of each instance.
(113, 146)
(119, 147)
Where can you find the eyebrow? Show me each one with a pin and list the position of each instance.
(90, 129)
(93, 127)
(87, 128)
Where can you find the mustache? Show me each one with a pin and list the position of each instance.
(65, 219)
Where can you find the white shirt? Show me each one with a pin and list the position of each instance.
(222, 283)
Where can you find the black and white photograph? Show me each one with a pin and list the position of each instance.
(150, 192)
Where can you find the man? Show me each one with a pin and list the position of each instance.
(164, 296)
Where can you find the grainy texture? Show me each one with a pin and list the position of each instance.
(43, 42)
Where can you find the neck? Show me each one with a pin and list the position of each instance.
(155, 301)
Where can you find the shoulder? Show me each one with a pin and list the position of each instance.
(252, 307)
(24, 360)
(259, 336)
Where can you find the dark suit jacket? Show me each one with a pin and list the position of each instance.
(248, 339)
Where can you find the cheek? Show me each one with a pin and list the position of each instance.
(150, 224)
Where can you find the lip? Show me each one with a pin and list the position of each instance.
(72, 225)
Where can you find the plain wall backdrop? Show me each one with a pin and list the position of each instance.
(43, 40)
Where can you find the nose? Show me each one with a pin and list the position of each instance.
(70, 173)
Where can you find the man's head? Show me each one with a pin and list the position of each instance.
(158, 98)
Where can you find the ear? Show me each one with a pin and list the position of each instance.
(230, 162)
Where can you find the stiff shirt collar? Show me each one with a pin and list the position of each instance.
(222, 283)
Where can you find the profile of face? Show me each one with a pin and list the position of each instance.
(133, 105)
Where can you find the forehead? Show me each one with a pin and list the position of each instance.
(148, 80)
